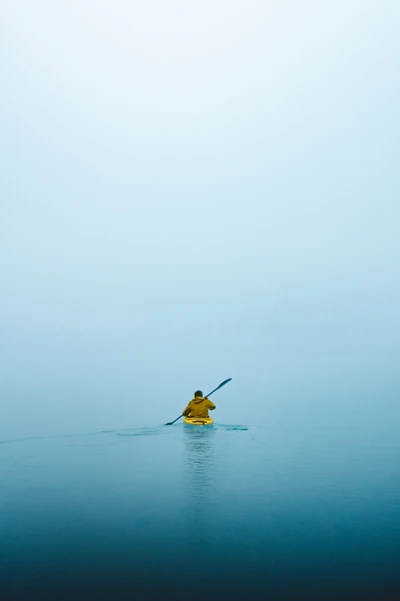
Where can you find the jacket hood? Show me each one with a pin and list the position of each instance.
(198, 399)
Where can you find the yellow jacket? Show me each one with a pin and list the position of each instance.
(198, 407)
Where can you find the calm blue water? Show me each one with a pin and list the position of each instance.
(266, 510)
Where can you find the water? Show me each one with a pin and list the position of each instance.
(263, 511)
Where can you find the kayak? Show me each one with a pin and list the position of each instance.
(198, 421)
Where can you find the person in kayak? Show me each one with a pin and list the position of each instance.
(198, 406)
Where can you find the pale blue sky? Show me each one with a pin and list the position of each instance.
(190, 192)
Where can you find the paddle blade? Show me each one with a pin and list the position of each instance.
(175, 420)
(218, 387)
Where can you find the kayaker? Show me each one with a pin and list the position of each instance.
(198, 406)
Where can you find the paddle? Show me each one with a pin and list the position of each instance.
(207, 395)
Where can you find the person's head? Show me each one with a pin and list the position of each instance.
(198, 393)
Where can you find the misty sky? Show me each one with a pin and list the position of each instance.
(192, 191)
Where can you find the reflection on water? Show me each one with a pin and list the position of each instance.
(199, 462)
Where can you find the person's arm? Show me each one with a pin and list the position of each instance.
(186, 411)
(210, 405)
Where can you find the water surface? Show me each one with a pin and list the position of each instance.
(217, 512)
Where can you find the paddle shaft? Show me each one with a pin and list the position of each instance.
(207, 395)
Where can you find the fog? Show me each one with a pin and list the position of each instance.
(192, 192)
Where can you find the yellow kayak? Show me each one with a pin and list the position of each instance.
(198, 421)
